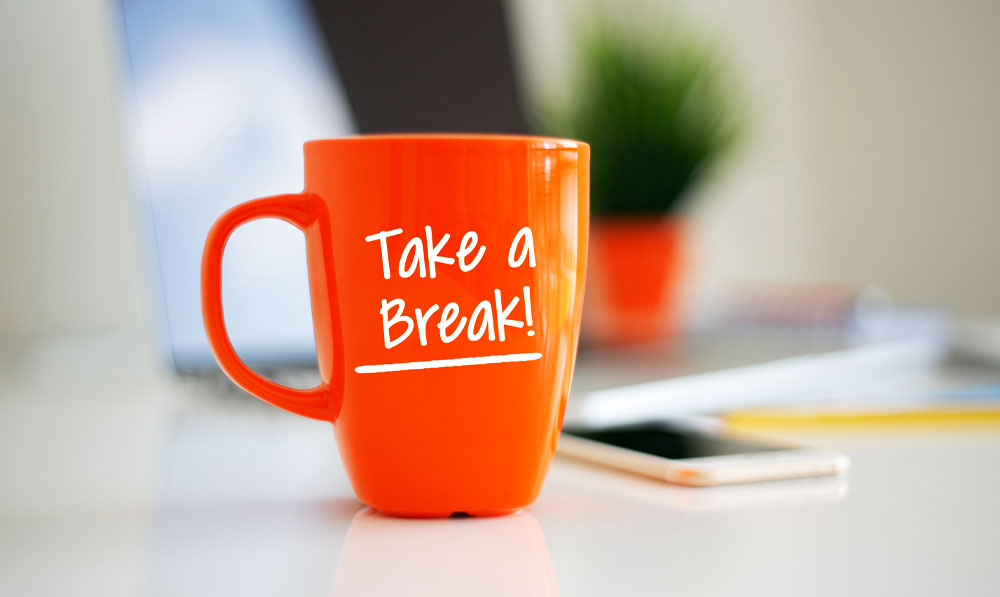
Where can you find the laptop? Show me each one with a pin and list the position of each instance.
(218, 97)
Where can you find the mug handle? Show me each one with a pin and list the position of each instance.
(296, 209)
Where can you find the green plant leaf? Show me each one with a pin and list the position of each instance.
(657, 109)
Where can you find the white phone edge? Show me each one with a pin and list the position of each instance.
(711, 470)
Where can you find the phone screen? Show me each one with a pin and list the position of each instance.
(672, 441)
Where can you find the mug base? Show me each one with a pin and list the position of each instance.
(447, 514)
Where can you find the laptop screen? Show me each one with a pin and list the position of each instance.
(220, 96)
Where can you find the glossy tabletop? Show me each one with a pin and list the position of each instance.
(119, 480)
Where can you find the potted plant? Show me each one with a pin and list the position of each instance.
(657, 110)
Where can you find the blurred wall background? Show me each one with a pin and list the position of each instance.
(872, 149)
(872, 154)
(70, 258)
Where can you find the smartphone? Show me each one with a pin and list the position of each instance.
(697, 453)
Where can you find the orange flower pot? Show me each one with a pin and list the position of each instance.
(634, 276)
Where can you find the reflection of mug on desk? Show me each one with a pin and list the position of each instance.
(465, 556)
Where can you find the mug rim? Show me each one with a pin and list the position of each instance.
(476, 138)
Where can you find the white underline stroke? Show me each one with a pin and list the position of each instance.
(462, 362)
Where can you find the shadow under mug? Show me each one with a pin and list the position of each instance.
(446, 278)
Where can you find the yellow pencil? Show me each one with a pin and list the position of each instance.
(937, 415)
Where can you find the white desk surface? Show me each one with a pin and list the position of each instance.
(121, 481)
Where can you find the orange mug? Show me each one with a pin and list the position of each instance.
(446, 275)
